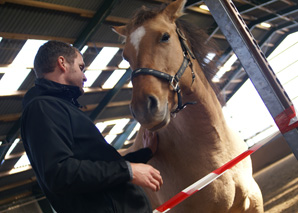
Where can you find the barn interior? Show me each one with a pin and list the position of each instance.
(27, 24)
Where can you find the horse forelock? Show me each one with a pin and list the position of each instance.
(142, 15)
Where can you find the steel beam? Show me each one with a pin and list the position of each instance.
(253, 24)
(255, 64)
(94, 24)
(238, 70)
(190, 3)
(122, 138)
(11, 136)
(110, 95)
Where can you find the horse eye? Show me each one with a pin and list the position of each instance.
(165, 37)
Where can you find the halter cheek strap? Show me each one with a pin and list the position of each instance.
(173, 80)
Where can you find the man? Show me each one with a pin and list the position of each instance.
(75, 167)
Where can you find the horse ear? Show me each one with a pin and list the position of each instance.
(175, 9)
(120, 30)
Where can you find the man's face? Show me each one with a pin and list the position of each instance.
(75, 75)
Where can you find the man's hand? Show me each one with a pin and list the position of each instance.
(150, 140)
(146, 176)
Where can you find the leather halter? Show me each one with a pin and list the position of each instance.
(173, 80)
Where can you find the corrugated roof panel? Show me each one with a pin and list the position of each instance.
(102, 78)
(90, 54)
(277, 6)
(105, 35)
(40, 22)
(86, 4)
(9, 49)
(126, 8)
(115, 112)
(95, 98)
(5, 127)
(10, 105)
(116, 60)
(28, 82)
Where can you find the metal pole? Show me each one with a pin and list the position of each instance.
(257, 67)
(104, 10)
(110, 95)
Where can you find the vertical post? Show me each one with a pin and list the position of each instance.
(257, 67)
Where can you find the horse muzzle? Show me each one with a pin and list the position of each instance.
(150, 111)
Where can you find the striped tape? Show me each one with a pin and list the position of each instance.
(287, 120)
(187, 192)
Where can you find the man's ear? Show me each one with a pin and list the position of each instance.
(61, 63)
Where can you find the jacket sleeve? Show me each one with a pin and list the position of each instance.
(140, 156)
(47, 135)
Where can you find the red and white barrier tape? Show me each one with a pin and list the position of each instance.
(287, 120)
(178, 198)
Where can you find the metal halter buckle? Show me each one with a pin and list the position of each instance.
(174, 84)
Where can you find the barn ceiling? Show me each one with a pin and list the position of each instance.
(87, 24)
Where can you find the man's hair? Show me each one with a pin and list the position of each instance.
(46, 58)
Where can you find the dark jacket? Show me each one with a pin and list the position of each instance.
(74, 165)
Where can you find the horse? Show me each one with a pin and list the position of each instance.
(173, 96)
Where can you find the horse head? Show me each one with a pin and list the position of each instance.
(154, 50)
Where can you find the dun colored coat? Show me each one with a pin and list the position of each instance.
(196, 140)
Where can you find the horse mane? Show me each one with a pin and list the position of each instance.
(197, 38)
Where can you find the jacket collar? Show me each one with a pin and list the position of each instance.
(44, 87)
(54, 88)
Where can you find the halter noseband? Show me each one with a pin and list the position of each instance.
(173, 80)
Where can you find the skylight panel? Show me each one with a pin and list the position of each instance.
(129, 85)
(117, 129)
(110, 138)
(84, 49)
(103, 58)
(20, 67)
(91, 76)
(101, 126)
(12, 79)
(11, 148)
(137, 127)
(246, 105)
(26, 56)
(225, 68)
(113, 79)
(265, 24)
(119, 126)
(23, 161)
(204, 7)
(124, 64)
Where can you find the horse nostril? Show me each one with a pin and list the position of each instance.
(152, 104)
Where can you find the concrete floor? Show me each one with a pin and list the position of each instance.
(279, 185)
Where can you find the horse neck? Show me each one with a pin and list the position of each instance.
(202, 120)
